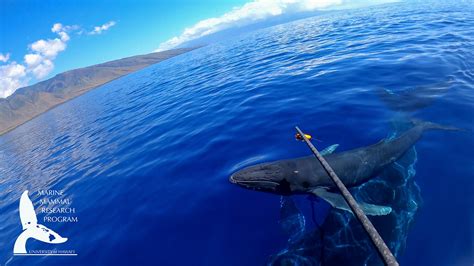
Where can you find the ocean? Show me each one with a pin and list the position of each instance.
(145, 159)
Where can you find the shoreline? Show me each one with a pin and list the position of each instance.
(88, 89)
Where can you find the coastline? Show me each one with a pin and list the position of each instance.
(81, 91)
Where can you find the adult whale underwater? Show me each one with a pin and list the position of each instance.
(307, 176)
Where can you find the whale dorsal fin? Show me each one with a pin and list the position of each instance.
(329, 150)
(27, 211)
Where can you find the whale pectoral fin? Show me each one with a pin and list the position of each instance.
(337, 201)
(329, 150)
(375, 210)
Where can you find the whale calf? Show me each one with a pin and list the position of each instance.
(306, 175)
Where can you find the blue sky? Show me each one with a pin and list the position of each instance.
(39, 39)
(140, 26)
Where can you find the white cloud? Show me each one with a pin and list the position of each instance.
(4, 57)
(48, 48)
(39, 62)
(62, 30)
(259, 10)
(32, 60)
(12, 76)
(102, 28)
(57, 27)
(42, 69)
(247, 14)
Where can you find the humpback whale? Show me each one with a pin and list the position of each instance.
(415, 98)
(306, 175)
(31, 228)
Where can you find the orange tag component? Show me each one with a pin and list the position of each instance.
(299, 137)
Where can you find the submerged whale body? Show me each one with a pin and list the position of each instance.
(340, 240)
(414, 99)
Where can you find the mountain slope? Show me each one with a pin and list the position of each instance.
(29, 102)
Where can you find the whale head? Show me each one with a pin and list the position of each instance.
(273, 177)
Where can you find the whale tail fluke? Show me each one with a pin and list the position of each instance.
(427, 125)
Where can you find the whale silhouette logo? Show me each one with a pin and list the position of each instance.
(31, 228)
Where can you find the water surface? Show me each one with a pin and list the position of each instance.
(146, 158)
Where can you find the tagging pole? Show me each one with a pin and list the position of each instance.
(375, 237)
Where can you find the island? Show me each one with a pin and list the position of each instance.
(29, 102)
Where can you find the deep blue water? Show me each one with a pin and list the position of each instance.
(146, 158)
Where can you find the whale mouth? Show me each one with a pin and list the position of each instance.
(255, 184)
(250, 182)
